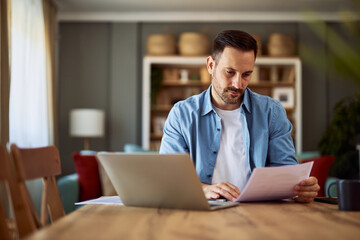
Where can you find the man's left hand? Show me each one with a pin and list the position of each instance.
(306, 190)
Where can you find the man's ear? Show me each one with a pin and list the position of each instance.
(210, 64)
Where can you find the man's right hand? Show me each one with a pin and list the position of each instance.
(223, 189)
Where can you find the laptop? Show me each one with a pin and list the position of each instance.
(157, 180)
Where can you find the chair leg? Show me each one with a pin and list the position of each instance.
(56, 208)
(4, 230)
(44, 208)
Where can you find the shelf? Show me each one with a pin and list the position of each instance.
(269, 84)
(176, 60)
(201, 60)
(161, 108)
(184, 84)
(287, 70)
(289, 109)
(281, 61)
(156, 136)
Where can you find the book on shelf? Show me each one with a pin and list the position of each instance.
(288, 75)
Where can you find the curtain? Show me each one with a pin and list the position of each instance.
(50, 10)
(5, 70)
(29, 125)
(4, 87)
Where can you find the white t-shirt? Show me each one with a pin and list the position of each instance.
(232, 164)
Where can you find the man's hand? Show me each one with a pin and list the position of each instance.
(223, 189)
(306, 190)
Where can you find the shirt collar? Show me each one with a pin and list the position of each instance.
(208, 107)
(246, 100)
(207, 102)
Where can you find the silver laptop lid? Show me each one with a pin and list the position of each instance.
(155, 180)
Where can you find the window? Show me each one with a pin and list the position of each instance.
(28, 116)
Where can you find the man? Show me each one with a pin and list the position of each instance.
(228, 129)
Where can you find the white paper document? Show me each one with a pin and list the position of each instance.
(113, 200)
(274, 183)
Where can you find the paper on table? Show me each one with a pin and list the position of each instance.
(274, 183)
(113, 200)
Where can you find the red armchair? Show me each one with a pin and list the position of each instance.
(320, 170)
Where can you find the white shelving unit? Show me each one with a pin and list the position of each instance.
(180, 61)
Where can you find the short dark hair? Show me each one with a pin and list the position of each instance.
(233, 38)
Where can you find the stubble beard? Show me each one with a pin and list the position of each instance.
(225, 96)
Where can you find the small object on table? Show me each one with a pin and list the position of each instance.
(329, 200)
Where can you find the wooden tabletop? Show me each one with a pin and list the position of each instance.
(268, 220)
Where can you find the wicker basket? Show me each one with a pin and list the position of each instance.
(258, 42)
(160, 45)
(193, 44)
(280, 45)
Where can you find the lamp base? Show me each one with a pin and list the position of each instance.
(86, 143)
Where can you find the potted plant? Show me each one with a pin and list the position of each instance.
(342, 135)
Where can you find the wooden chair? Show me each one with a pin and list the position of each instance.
(33, 163)
(4, 230)
(24, 223)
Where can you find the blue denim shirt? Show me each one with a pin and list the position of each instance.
(194, 127)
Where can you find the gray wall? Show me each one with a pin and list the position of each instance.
(98, 69)
(124, 97)
(100, 66)
(339, 85)
(314, 89)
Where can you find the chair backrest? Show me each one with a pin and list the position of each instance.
(320, 170)
(33, 163)
(21, 207)
(4, 230)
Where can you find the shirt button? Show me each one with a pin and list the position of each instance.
(209, 175)
(214, 152)
(218, 129)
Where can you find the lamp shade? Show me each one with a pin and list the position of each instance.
(87, 123)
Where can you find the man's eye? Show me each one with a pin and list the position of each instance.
(229, 72)
(246, 75)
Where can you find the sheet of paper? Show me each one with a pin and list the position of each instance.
(274, 183)
(112, 200)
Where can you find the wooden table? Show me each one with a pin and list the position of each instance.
(271, 220)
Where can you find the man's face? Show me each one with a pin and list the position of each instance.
(230, 77)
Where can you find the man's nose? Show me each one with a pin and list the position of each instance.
(237, 82)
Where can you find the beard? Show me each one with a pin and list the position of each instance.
(225, 94)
